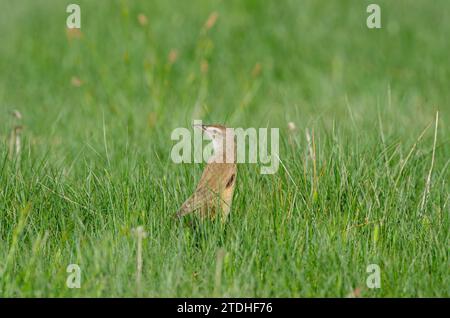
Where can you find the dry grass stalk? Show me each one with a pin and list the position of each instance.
(256, 70)
(291, 129)
(15, 138)
(312, 156)
(142, 19)
(212, 19)
(173, 56)
(204, 66)
(356, 293)
(428, 182)
(218, 276)
(75, 81)
(73, 34)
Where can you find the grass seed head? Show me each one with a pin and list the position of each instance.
(142, 19)
(212, 19)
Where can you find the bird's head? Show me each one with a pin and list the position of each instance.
(213, 132)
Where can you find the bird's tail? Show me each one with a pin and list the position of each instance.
(179, 214)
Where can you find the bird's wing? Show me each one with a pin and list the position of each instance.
(215, 178)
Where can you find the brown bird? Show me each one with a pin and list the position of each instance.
(214, 192)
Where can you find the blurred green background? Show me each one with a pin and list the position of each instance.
(317, 60)
(99, 105)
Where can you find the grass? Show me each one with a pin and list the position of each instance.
(98, 109)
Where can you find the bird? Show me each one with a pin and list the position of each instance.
(214, 193)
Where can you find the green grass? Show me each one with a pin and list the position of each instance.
(95, 161)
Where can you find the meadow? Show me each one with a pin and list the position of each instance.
(364, 143)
